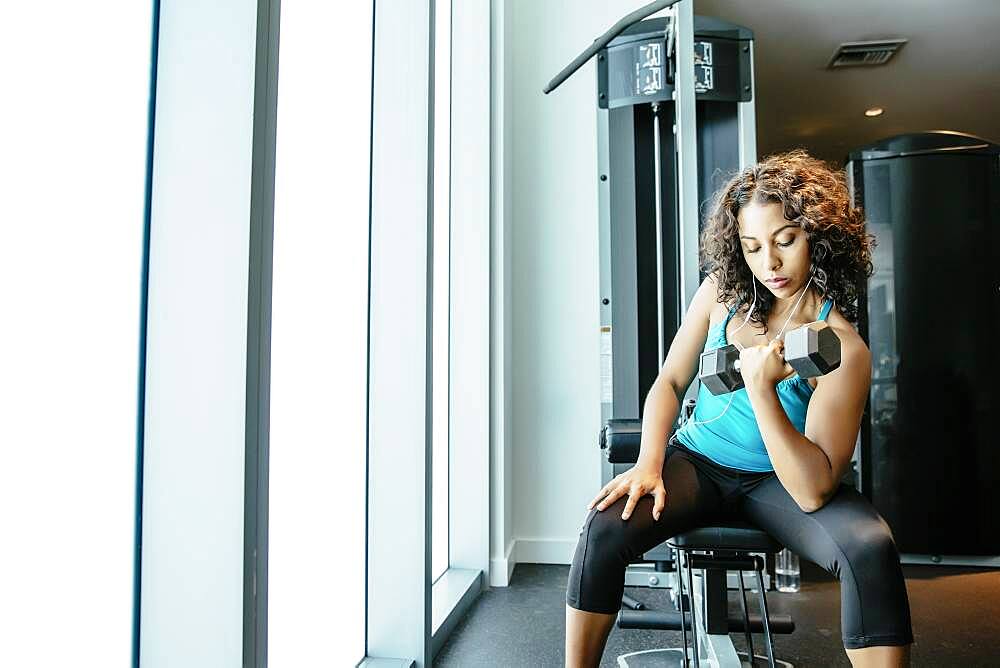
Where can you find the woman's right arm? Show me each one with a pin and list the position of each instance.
(661, 407)
(663, 400)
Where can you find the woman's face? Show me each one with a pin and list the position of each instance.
(774, 248)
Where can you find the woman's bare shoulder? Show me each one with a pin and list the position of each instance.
(849, 336)
(719, 309)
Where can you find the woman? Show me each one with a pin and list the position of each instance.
(782, 247)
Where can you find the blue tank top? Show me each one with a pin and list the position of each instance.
(734, 440)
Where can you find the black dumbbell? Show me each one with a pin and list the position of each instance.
(812, 350)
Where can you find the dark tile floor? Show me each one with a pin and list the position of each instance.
(955, 613)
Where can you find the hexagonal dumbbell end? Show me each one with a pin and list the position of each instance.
(717, 370)
(813, 349)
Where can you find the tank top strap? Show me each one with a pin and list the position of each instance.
(825, 311)
(732, 312)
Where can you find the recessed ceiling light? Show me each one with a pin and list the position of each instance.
(874, 111)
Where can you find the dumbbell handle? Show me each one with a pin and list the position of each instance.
(736, 364)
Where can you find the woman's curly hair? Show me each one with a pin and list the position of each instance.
(813, 195)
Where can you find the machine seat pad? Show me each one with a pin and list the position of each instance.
(733, 535)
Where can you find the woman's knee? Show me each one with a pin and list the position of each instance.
(872, 546)
(854, 531)
(604, 531)
(610, 540)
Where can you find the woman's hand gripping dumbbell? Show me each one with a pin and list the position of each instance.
(811, 350)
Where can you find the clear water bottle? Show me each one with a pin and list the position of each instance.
(786, 570)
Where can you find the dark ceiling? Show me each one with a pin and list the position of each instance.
(947, 77)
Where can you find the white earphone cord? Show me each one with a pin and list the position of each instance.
(738, 346)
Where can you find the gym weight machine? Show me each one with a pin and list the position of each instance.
(674, 96)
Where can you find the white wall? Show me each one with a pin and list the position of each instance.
(555, 366)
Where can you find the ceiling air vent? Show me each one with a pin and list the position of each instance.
(878, 52)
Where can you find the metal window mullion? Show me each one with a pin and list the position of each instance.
(258, 391)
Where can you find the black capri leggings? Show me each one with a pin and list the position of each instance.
(847, 537)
